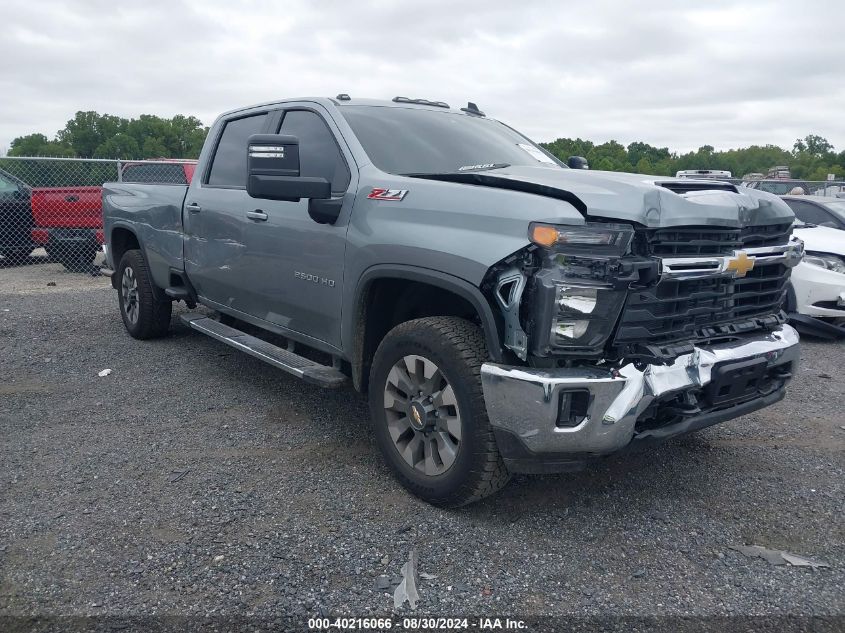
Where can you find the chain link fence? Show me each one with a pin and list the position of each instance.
(51, 208)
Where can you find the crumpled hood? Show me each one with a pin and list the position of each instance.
(639, 198)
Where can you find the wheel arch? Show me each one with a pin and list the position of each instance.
(378, 307)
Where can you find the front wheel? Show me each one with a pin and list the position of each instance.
(428, 411)
(144, 314)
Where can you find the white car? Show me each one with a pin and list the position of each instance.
(819, 281)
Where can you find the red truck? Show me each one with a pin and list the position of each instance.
(68, 221)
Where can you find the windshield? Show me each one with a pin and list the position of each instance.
(417, 141)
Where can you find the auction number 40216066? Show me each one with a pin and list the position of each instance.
(415, 624)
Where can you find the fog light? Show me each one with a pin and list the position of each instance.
(574, 406)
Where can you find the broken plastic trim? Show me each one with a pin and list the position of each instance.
(509, 289)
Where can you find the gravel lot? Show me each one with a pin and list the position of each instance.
(196, 480)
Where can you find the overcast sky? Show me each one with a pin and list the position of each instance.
(728, 74)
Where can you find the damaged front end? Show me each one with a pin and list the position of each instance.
(617, 347)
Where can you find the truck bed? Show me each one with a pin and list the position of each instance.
(154, 213)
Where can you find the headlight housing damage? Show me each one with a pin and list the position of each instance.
(581, 287)
(826, 261)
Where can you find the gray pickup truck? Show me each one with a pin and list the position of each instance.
(504, 313)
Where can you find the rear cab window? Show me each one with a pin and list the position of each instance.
(165, 173)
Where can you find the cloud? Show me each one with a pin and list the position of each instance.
(727, 74)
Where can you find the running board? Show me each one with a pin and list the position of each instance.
(308, 370)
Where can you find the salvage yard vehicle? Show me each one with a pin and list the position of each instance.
(68, 223)
(818, 210)
(504, 313)
(817, 300)
(15, 218)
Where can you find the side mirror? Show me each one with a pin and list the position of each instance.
(577, 162)
(273, 170)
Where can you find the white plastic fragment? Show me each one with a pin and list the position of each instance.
(407, 589)
(104, 373)
(777, 557)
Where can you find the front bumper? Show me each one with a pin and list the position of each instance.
(523, 404)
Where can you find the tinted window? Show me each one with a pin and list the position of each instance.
(319, 155)
(808, 212)
(417, 141)
(155, 172)
(837, 208)
(229, 165)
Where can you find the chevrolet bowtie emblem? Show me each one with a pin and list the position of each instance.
(740, 264)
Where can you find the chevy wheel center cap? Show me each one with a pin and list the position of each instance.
(416, 413)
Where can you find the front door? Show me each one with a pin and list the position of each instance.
(300, 281)
(268, 258)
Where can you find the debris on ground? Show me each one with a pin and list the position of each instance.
(777, 557)
(104, 373)
(407, 589)
(178, 474)
(426, 576)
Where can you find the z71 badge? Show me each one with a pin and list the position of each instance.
(379, 193)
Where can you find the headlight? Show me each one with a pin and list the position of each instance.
(593, 239)
(827, 261)
(579, 292)
(572, 315)
(583, 316)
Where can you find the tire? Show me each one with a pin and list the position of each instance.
(75, 260)
(144, 314)
(446, 462)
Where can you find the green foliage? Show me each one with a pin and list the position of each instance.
(811, 158)
(38, 145)
(93, 135)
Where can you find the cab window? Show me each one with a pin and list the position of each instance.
(228, 168)
(319, 155)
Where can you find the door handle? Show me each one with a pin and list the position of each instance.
(257, 215)
(193, 207)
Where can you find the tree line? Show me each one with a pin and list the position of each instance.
(811, 158)
(93, 135)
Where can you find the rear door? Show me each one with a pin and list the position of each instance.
(216, 257)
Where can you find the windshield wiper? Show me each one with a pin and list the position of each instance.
(461, 170)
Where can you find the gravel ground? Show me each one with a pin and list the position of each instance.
(196, 480)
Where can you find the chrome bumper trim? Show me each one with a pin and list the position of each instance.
(703, 267)
(524, 401)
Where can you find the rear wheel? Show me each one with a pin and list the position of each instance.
(428, 411)
(144, 314)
